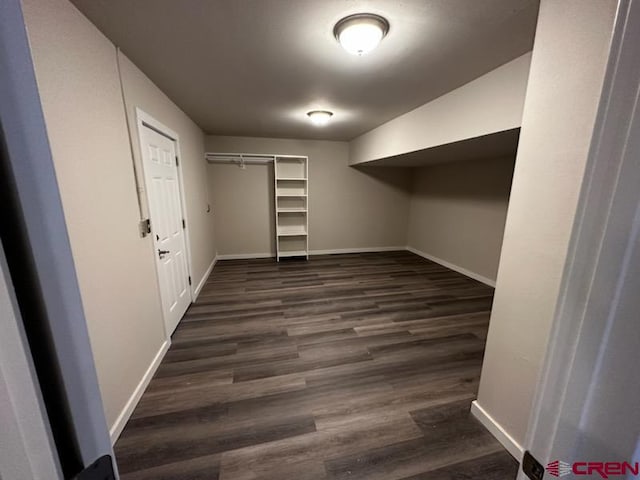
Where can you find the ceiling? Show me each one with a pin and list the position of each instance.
(255, 67)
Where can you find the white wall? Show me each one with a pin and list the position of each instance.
(491, 103)
(140, 92)
(77, 74)
(458, 212)
(454, 211)
(349, 208)
(567, 68)
(243, 209)
(586, 404)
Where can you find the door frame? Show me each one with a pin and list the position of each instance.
(144, 120)
(40, 262)
(606, 225)
(26, 427)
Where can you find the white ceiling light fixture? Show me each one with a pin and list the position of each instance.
(360, 33)
(320, 117)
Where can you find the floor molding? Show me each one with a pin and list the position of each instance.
(126, 412)
(337, 251)
(197, 290)
(452, 266)
(507, 441)
(246, 256)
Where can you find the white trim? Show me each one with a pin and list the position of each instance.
(45, 235)
(143, 118)
(453, 266)
(507, 441)
(28, 449)
(246, 256)
(125, 414)
(250, 156)
(336, 251)
(203, 280)
(596, 305)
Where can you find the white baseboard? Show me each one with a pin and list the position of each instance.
(355, 250)
(203, 280)
(336, 251)
(123, 418)
(507, 441)
(246, 256)
(452, 266)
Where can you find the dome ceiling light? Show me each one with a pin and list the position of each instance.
(320, 117)
(361, 33)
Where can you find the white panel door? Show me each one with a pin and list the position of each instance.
(167, 228)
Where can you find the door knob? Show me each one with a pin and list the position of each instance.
(162, 253)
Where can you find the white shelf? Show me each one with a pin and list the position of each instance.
(291, 204)
(292, 231)
(291, 188)
(291, 167)
(294, 253)
(292, 210)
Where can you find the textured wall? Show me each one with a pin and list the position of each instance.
(348, 207)
(458, 211)
(567, 69)
(77, 73)
(491, 103)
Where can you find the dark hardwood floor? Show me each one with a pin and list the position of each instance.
(343, 367)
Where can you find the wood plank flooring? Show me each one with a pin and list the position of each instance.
(343, 367)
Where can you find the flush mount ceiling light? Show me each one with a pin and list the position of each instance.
(320, 117)
(360, 33)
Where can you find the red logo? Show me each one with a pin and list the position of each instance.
(558, 468)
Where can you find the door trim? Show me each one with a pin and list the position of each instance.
(605, 227)
(24, 419)
(143, 120)
(40, 261)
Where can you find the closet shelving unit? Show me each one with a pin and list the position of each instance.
(291, 192)
(291, 203)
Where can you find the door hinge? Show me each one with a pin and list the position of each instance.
(145, 227)
(101, 469)
(177, 161)
(184, 224)
(189, 279)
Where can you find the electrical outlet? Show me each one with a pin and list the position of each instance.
(531, 467)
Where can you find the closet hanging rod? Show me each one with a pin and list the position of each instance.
(238, 158)
(245, 158)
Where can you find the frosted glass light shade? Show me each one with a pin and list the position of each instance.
(361, 33)
(320, 117)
